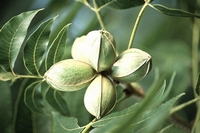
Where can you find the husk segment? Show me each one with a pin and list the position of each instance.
(70, 75)
(131, 66)
(100, 96)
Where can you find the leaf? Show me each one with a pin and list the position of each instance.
(22, 115)
(196, 126)
(42, 123)
(57, 48)
(33, 97)
(172, 11)
(152, 118)
(62, 124)
(197, 88)
(120, 4)
(131, 110)
(130, 123)
(55, 99)
(157, 95)
(173, 129)
(169, 87)
(128, 111)
(36, 46)
(6, 109)
(6, 76)
(152, 100)
(162, 93)
(12, 35)
(76, 105)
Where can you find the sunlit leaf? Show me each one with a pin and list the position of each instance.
(62, 124)
(36, 46)
(57, 48)
(12, 35)
(33, 97)
(173, 12)
(55, 99)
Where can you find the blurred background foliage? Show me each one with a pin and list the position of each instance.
(167, 39)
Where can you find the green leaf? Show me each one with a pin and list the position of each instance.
(55, 99)
(120, 4)
(42, 123)
(6, 109)
(33, 97)
(196, 126)
(161, 93)
(22, 115)
(132, 113)
(152, 118)
(36, 46)
(62, 124)
(128, 111)
(6, 76)
(57, 48)
(173, 129)
(173, 12)
(130, 123)
(156, 99)
(76, 105)
(153, 102)
(12, 35)
(197, 88)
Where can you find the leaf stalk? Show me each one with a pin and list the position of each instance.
(179, 107)
(87, 127)
(29, 76)
(195, 53)
(98, 14)
(137, 23)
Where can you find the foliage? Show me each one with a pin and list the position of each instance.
(29, 47)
